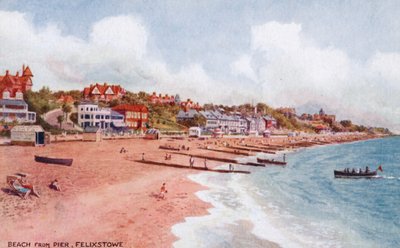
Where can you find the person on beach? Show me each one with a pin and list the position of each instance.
(142, 156)
(29, 186)
(163, 191)
(205, 164)
(54, 185)
(191, 161)
(284, 157)
(166, 156)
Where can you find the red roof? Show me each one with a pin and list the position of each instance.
(116, 89)
(128, 107)
(27, 72)
(15, 83)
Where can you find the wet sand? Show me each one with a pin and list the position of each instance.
(106, 195)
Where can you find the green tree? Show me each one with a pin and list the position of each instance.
(60, 119)
(66, 108)
(346, 123)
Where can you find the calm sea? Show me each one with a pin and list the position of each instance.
(302, 204)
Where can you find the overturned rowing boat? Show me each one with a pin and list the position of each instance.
(270, 161)
(60, 161)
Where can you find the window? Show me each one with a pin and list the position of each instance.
(144, 115)
(87, 117)
(81, 109)
(107, 117)
(81, 116)
(91, 109)
(97, 116)
(6, 95)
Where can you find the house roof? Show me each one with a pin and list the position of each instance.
(189, 114)
(26, 128)
(129, 107)
(116, 89)
(27, 72)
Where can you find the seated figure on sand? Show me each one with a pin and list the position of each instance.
(55, 185)
(21, 187)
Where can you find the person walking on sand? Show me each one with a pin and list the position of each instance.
(163, 191)
(230, 167)
(205, 164)
(191, 161)
(142, 156)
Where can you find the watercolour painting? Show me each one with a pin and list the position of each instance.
(211, 123)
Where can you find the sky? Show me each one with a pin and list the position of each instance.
(343, 56)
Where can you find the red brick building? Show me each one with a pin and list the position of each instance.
(189, 104)
(166, 99)
(14, 86)
(104, 92)
(136, 116)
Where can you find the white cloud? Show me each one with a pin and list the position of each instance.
(293, 70)
(284, 67)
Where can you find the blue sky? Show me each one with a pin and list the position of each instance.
(342, 55)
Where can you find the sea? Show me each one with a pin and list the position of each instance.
(302, 204)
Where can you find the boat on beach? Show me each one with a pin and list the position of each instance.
(60, 161)
(356, 174)
(270, 161)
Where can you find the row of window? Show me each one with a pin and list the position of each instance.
(135, 115)
(135, 124)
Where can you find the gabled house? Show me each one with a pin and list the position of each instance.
(14, 86)
(103, 92)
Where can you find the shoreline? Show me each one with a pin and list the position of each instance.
(105, 187)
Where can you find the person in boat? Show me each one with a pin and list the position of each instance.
(360, 171)
(55, 185)
(366, 169)
(353, 171)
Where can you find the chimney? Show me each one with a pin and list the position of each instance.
(6, 72)
(23, 68)
(17, 74)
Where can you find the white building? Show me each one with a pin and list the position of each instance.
(91, 115)
(16, 110)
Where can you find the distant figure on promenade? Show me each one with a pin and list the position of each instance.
(205, 164)
(54, 185)
(284, 157)
(142, 156)
(163, 191)
(191, 161)
(231, 167)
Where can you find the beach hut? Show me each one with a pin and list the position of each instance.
(152, 134)
(91, 134)
(27, 135)
(195, 132)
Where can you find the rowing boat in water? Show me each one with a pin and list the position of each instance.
(344, 174)
(60, 161)
(270, 161)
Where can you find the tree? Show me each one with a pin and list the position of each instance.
(60, 119)
(346, 123)
(74, 117)
(66, 108)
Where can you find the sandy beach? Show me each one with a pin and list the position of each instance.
(108, 196)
